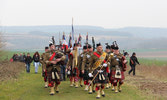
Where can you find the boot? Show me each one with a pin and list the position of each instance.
(86, 88)
(102, 92)
(116, 90)
(52, 91)
(76, 84)
(119, 88)
(46, 84)
(90, 89)
(71, 83)
(94, 88)
(80, 83)
(113, 88)
(98, 94)
(107, 86)
(57, 88)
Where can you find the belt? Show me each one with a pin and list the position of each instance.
(100, 71)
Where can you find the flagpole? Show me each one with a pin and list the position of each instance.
(72, 33)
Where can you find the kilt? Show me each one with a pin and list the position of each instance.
(101, 77)
(74, 72)
(51, 80)
(44, 75)
(112, 75)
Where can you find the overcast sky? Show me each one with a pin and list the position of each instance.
(104, 13)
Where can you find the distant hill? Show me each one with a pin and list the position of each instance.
(144, 31)
(36, 37)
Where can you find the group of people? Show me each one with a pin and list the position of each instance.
(17, 57)
(97, 70)
(27, 59)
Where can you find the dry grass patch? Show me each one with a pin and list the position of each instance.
(10, 70)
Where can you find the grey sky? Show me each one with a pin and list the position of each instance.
(105, 13)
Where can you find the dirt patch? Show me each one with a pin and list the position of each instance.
(150, 80)
(10, 70)
(159, 88)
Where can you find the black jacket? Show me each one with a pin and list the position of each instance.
(36, 58)
(133, 61)
(28, 59)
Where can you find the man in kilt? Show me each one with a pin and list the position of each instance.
(42, 61)
(98, 63)
(72, 66)
(80, 61)
(85, 68)
(111, 81)
(53, 61)
(108, 85)
(118, 63)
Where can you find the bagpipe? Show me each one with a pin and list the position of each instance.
(124, 66)
(57, 55)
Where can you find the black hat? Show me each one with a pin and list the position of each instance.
(75, 44)
(116, 47)
(85, 47)
(50, 44)
(112, 46)
(46, 47)
(134, 53)
(89, 46)
(99, 44)
(108, 47)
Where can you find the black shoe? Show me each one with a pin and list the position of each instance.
(51, 94)
(93, 91)
(57, 91)
(90, 93)
(103, 95)
(97, 97)
(81, 85)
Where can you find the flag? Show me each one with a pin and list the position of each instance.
(79, 40)
(87, 38)
(72, 33)
(65, 45)
(70, 41)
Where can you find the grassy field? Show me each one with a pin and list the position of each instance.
(31, 87)
(150, 62)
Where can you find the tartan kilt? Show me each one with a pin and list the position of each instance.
(112, 75)
(49, 76)
(86, 76)
(97, 79)
(75, 72)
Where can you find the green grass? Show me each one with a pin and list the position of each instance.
(31, 87)
(150, 62)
